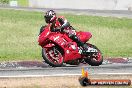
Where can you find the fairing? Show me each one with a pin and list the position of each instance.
(84, 36)
(71, 52)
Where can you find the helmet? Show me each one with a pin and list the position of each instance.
(50, 16)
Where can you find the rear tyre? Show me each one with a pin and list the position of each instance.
(94, 58)
(52, 56)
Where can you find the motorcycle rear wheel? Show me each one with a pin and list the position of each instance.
(94, 59)
(52, 56)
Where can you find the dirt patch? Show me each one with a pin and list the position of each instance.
(53, 82)
(42, 82)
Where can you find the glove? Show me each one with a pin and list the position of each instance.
(61, 29)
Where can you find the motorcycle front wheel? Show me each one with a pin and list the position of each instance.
(52, 56)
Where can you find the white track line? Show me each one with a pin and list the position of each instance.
(56, 75)
(113, 73)
(59, 75)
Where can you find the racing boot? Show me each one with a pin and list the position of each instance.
(85, 47)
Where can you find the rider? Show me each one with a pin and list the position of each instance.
(61, 24)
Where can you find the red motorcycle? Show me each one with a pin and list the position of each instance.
(58, 48)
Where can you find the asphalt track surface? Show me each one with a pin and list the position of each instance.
(38, 69)
(119, 66)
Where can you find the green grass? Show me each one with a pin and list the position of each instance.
(19, 32)
(22, 2)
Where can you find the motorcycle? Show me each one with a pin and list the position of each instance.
(58, 48)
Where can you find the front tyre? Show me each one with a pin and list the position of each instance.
(52, 56)
(94, 58)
